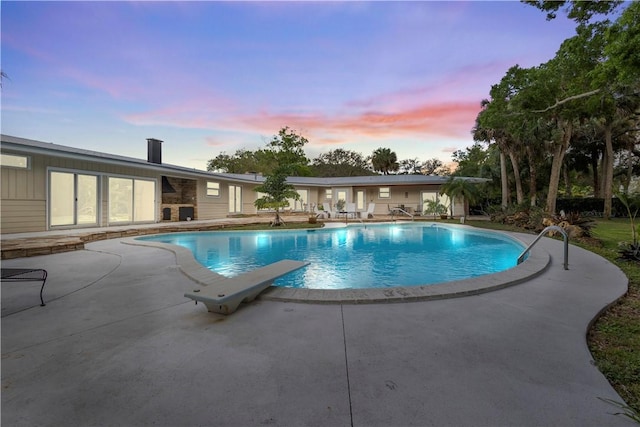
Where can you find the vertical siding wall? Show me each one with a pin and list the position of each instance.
(314, 197)
(24, 198)
(397, 197)
(248, 197)
(409, 196)
(210, 207)
(24, 192)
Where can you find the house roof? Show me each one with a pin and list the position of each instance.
(47, 148)
(23, 145)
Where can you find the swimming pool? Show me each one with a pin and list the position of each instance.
(356, 257)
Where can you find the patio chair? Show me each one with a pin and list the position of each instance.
(325, 212)
(26, 275)
(350, 209)
(370, 209)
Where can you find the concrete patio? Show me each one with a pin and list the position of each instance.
(118, 344)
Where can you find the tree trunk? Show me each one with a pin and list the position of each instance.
(533, 171)
(516, 173)
(567, 180)
(602, 168)
(556, 166)
(503, 181)
(594, 167)
(277, 222)
(629, 170)
(607, 192)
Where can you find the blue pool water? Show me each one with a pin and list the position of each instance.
(356, 257)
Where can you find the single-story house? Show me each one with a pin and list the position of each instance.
(48, 186)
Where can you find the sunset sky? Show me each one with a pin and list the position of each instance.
(212, 77)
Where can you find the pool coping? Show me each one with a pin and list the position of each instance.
(535, 264)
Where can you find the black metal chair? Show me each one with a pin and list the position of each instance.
(26, 275)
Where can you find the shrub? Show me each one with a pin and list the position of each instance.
(594, 206)
(522, 216)
(535, 219)
(630, 251)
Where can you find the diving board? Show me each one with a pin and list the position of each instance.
(225, 295)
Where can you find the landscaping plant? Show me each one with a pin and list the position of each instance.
(630, 251)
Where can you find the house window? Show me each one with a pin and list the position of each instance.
(14, 161)
(328, 194)
(213, 189)
(384, 193)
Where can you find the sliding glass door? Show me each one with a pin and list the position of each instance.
(131, 200)
(235, 199)
(73, 199)
(360, 200)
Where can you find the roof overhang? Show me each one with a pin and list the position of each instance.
(28, 146)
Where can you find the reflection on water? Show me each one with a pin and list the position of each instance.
(356, 257)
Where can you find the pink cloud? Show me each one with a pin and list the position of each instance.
(116, 87)
(214, 142)
(201, 109)
(465, 82)
(449, 149)
(445, 109)
(23, 45)
(447, 119)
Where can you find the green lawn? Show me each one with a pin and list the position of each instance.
(612, 231)
(614, 339)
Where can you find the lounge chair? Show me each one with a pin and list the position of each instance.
(370, 209)
(350, 209)
(225, 295)
(325, 212)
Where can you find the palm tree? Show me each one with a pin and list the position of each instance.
(384, 160)
(3, 76)
(412, 166)
(487, 134)
(460, 187)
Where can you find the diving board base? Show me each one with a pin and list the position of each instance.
(225, 295)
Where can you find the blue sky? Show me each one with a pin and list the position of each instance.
(212, 77)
